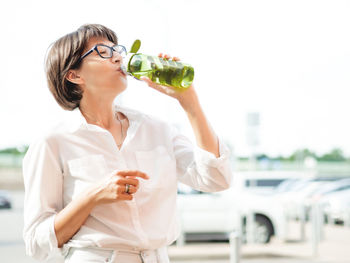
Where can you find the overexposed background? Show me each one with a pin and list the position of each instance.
(287, 60)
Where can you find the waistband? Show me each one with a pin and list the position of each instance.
(129, 249)
(138, 251)
(147, 255)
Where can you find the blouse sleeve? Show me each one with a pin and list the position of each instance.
(199, 168)
(43, 179)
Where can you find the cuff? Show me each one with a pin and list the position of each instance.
(46, 236)
(209, 159)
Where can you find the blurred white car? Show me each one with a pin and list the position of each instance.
(217, 214)
(296, 198)
(324, 190)
(336, 206)
(334, 186)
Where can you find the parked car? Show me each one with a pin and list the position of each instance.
(294, 198)
(336, 206)
(215, 215)
(5, 201)
(330, 187)
(326, 189)
(266, 181)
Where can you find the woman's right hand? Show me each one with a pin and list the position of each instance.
(114, 188)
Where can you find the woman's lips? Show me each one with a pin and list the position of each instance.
(121, 71)
(122, 68)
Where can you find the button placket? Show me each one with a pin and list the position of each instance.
(122, 161)
(136, 221)
(132, 204)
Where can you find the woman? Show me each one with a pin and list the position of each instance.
(102, 186)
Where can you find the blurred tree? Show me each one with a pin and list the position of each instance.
(262, 156)
(335, 155)
(15, 150)
(301, 154)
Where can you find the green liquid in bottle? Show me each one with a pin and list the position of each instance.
(161, 71)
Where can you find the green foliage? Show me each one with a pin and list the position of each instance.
(301, 154)
(262, 157)
(336, 155)
(15, 150)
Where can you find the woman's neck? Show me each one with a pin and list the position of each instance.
(98, 112)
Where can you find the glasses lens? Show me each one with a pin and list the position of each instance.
(121, 50)
(104, 51)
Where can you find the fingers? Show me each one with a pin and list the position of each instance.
(147, 80)
(163, 89)
(132, 190)
(130, 181)
(121, 189)
(168, 90)
(125, 197)
(133, 173)
(128, 177)
(121, 185)
(166, 56)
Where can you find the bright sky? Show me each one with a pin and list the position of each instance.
(287, 60)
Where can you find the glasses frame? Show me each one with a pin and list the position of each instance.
(113, 48)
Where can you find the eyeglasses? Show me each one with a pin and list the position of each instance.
(105, 51)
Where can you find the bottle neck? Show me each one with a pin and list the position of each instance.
(126, 62)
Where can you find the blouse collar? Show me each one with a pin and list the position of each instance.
(78, 122)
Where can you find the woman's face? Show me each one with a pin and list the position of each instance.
(101, 75)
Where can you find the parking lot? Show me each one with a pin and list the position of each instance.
(333, 248)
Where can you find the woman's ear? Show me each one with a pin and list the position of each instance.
(73, 76)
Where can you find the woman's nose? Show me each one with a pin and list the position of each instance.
(117, 57)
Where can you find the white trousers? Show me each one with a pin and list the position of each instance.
(102, 255)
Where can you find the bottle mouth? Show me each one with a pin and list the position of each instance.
(123, 68)
(125, 65)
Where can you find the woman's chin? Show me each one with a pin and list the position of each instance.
(120, 87)
(123, 86)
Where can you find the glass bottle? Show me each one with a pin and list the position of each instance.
(161, 71)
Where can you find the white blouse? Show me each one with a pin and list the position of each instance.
(75, 155)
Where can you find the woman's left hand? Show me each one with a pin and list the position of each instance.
(205, 135)
(186, 97)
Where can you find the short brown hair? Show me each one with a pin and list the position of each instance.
(64, 54)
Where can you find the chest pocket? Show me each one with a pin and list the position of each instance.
(91, 168)
(158, 165)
